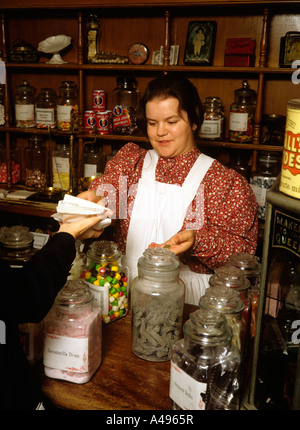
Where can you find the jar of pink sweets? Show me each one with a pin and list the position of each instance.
(73, 335)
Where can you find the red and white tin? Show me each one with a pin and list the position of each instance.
(90, 121)
(99, 100)
(102, 123)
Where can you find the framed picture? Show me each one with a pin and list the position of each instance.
(200, 43)
(289, 48)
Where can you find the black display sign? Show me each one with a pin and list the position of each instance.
(286, 232)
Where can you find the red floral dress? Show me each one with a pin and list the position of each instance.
(230, 207)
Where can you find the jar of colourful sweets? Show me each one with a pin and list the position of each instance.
(25, 105)
(67, 107)
(125, 101)
(15, 164)
(157, 300)
(35, 157)
(241, 117)
(73, 335)
(107, 279)
(45, 110)
(205, 365)
(213, 124)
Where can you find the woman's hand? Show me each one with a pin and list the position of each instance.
(82, 229)
(90, 195)
(179, 243)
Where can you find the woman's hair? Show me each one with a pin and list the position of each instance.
(182, 89)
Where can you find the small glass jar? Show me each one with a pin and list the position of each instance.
(157, 300)
(2, 108)
(35, 157)
(241, 118)
(125, 100)
(45, 109)
(17, 244)
(67, 107)
(61, 166)
(213, 125)
(94, 161)
(73, 335)
(205, 365)
(107, 279)
(226, 300)
(24, 105)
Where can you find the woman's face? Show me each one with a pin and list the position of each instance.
(168, 128)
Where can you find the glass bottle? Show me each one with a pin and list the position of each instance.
(92, 37)
(125, 100)
(107, 279)
(73, 335)
(239, 161)
(94, 161)
(241, 117)
(67, 107)
(268, 168)
(35, 157)
(24, 105)
(226, 300)
(205, 365)
(61, 166)
(213, 121)
(15, 160)
(157, 300)
(2, 108)
(45, 109)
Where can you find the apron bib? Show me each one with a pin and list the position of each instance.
(158, 213)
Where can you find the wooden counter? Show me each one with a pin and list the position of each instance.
(122, 382)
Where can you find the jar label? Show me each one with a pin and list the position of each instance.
(64, 113)
(24, 112)
(89, 170)
(60, 173)
(290, 169)
(238, 121)
(185, 391)
(66, 353)
(101, 297)
(211, 129)
(44, 117)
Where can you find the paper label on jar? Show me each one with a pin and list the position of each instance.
(185, 391)
(64, 113)
(101, 297)
(44, 116)
(66, 353)
(238, 121)
(60, 172)
(89, 170)
(211, 129)
(24, 112)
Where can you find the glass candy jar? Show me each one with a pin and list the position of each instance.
(73, 335)
(17, 244)
(241, 118)
(213, 120)
(35, 157)
(107, 279)
(25, 105)
(125, 100)
(205, 365)
(45, 110)
(157, 300)
(67, 107)
(226, 300)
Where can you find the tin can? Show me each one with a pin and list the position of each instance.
(102, 122)
(89, 121)
(290, 168)
(99, 100)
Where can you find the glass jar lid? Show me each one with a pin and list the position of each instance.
(17, 236)
(158, 260)
(207, 327)
(222, 299)
(104, 250)
(74, 294)
(229, 276)
(25, 88)
(247, 262)
(245, 94)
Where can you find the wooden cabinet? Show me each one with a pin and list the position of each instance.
(154, 23)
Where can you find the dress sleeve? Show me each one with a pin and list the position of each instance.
(230, 218)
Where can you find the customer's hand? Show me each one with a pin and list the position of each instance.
(82, 229)
(179, 243)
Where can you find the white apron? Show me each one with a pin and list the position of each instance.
(158, 213)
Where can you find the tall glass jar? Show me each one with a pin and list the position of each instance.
(205, 365)
(67, 107)
(2, 109)
(35, 157)
(125, 101)
(107, 279)
(226, 300)
(15, 164)
(94, 161)
(61, 166)
(45, 109)
(92, 37)
(213, 121)
(24, 105)
(241, 118)
(157, 300)
(73, 335)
